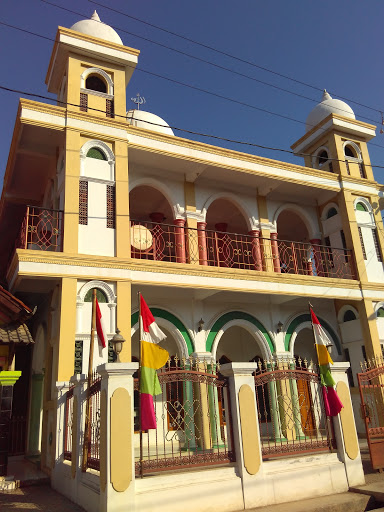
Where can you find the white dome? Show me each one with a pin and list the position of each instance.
(328, 106)
(96, 28)
(149, 121)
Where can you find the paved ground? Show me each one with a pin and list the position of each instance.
(37, 498)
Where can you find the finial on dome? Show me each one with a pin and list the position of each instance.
(326, 95)
(95, 16)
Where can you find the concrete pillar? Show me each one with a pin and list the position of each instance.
(275, 253)
(202, 241)
(246, 432)
(345, 428)
(37, 382)
(117, 464)
(256, 250)
(180, 240)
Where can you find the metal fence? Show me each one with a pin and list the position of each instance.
(68, 424)
(93, 436)
(179, 244)
(291, 411)
(42, 229)
(193, 419)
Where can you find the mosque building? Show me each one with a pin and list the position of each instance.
(227, 248)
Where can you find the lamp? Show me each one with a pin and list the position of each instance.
(200, 323)
(279, 326)
(117, 342)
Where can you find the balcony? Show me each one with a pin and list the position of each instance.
(41, 230)
(178, 244)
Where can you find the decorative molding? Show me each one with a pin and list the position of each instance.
(96, 284)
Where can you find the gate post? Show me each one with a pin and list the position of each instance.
(345, 428)
(117, 458)
(246, 432)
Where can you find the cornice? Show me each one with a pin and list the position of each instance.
(43, 107)
(25, 255)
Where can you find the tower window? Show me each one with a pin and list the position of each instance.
(362, 243)
(96, 153)
(349, 152)
(95, 83)
(111, 206)
(83, 102)
(377, 245)
(360, 207)
(331, 213)
(322, 157)
(380, 312)
(349, 316)
(100, 296)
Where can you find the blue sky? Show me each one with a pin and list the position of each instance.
(329, 44)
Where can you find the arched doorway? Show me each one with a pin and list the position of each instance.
(228, 243)
(155, 235)
(305, 355)
(295, 253)
(238, 345)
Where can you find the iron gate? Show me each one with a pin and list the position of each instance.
(371, 387)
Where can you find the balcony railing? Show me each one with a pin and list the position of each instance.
(42, 229)
(178, 244)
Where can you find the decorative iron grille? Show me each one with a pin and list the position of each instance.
(68, 424)
(83, 202)
(111, 206)
(42, 229)
(193, 419)
(83, 102)
(110, 108)
(93, 460)
(164, 242)
(290, 406)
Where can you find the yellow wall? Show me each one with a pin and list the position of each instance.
(71, 191)
(123, 244)
(67, 330)
(123, 320)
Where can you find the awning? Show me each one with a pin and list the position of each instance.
(15, 334)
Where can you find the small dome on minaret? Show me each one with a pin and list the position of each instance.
(96, 28)
(327, 106)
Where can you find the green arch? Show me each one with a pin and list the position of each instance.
(166, 315)
(307, 318)
(237, 315)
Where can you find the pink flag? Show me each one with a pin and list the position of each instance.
(100, 328)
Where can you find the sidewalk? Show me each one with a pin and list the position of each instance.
(36, 498)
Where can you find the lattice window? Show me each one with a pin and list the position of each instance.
(347, 166)
(83, 202)
(111, 206)
(330, 166)
(83, 102)
(377, 245)
(362, 243)
(110, 108)
(362, 170)
(78, 357)
(100, 296)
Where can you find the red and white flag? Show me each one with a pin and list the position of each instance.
(100, 327)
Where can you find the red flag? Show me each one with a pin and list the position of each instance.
(100, 328)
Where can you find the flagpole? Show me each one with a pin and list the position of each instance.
(90, 370)
(140, 431)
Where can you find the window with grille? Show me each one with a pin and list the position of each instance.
(362, 170)
(83, 102)
(377, 245)
(111, 206)
(78, 357)
(110, 108)
(96, 153)
(330, 166)
(362, 243)
(83, 202)
(100, 296)
(347, 166)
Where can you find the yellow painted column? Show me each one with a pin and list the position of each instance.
(71, 191)
(368, 323)
(351, 232)
(265, 234)
(336, 150)
(67, 330)
(123, 243)
(123, 320)
(366, 161)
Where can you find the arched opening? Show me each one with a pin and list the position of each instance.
(96, 153)
(238, 345)
(349, 315)
(100, 296)
(228, 242)
(331, 212)
(95, 83)
(349, 152)
(295, 253)
(154, 233)
(360, 207)
(322, 157)
(380, 312)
